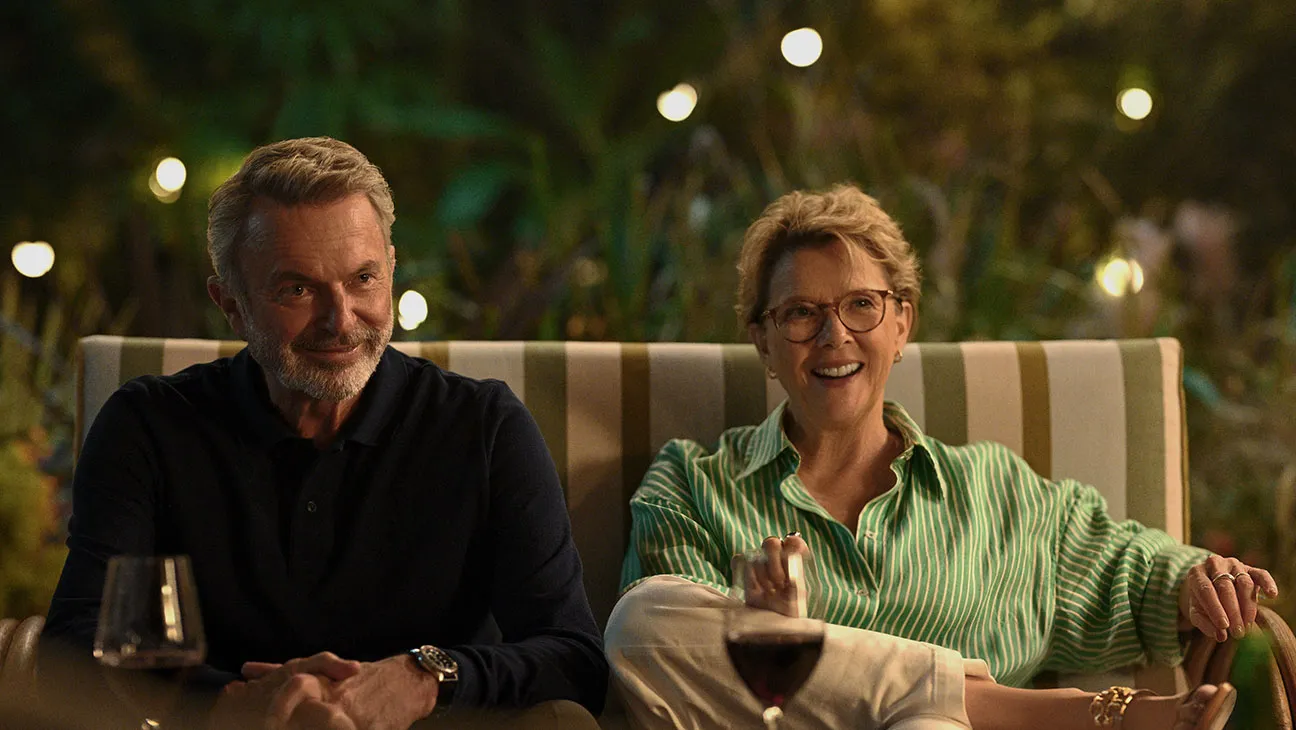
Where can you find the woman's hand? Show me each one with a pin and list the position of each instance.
(767, 583)
(1219, 596)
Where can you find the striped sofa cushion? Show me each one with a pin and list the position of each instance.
(1109, 413)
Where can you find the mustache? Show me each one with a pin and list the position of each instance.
(365, 335)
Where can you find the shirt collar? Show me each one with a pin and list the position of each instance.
(770, 440)
(915, 441)
(365, 425)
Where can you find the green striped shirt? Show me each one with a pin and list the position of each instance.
(971, 549)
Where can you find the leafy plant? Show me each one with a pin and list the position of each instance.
(540, 195)
(31, 553)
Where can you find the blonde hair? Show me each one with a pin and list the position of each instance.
(306, 171)
(800, 219)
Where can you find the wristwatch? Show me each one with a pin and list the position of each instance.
(438, 663)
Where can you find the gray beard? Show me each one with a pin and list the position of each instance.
(320, 382)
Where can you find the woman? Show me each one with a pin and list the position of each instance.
(958, 547)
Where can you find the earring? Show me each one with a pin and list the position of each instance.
(898, 357)
(769, 372)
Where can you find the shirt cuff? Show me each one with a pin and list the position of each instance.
(1159, 617)
(467, 690)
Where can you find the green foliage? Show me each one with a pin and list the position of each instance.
(29, 559)
(540, 195)
(1243, 429)
(30, 367)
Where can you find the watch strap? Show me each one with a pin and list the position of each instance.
(440, 664)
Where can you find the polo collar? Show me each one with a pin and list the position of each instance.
(366, 424)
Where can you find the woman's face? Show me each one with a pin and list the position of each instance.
(836, 379)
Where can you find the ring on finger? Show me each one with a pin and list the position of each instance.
(1230, 576)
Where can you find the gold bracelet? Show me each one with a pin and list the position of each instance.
(1108, 706)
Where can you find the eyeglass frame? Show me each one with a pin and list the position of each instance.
(836, 310)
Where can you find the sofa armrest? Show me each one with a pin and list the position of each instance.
(1283, 645)
(18, 641)
(1209, 662)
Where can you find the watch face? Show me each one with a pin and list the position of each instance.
(442, 661)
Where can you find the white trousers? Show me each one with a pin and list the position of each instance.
(665, 644)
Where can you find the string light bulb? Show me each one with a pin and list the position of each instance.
(412, 310)
(1135, 103)
(802, 47)
(32, 259)
(678, 103)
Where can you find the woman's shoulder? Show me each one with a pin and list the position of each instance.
(992, 453)
(984, 466)
(732, 442)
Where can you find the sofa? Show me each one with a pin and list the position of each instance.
(1108, 413)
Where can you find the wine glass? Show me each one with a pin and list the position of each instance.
(149, 620)
(772, 639)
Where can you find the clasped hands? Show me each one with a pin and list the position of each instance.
(1219, 597)
(327, 692)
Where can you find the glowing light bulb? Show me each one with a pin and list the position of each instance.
(802, 47)
(1134, 103)
(1118, 277)
(170, 174)
(33, 259)
(412, 310)
(1113, 277)
(678, 103)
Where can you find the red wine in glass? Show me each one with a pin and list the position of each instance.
(774, 666)
(772, 641)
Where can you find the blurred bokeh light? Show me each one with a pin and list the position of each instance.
(1134, 103)
(1119, 277)
(167, 179)
(678, 103)
(412, 310)
(33, 259)
(170, 174)
(802, 47)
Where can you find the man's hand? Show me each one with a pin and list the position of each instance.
(1219, 596)
(391, 694)
(279, 696)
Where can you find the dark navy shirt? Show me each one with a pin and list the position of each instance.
(436, 518)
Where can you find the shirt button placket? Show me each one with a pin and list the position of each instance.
(867, 545)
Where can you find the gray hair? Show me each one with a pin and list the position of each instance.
(306, 171)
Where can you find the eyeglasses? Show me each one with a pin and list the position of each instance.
(801, 320)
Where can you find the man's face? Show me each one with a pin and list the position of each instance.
(317, 312)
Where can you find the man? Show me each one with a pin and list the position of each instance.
(373, 538)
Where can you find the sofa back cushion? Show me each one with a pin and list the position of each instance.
(1108, 413)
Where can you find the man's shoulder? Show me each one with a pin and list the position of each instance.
(203, 381)
(432, 384)
(166, 404)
